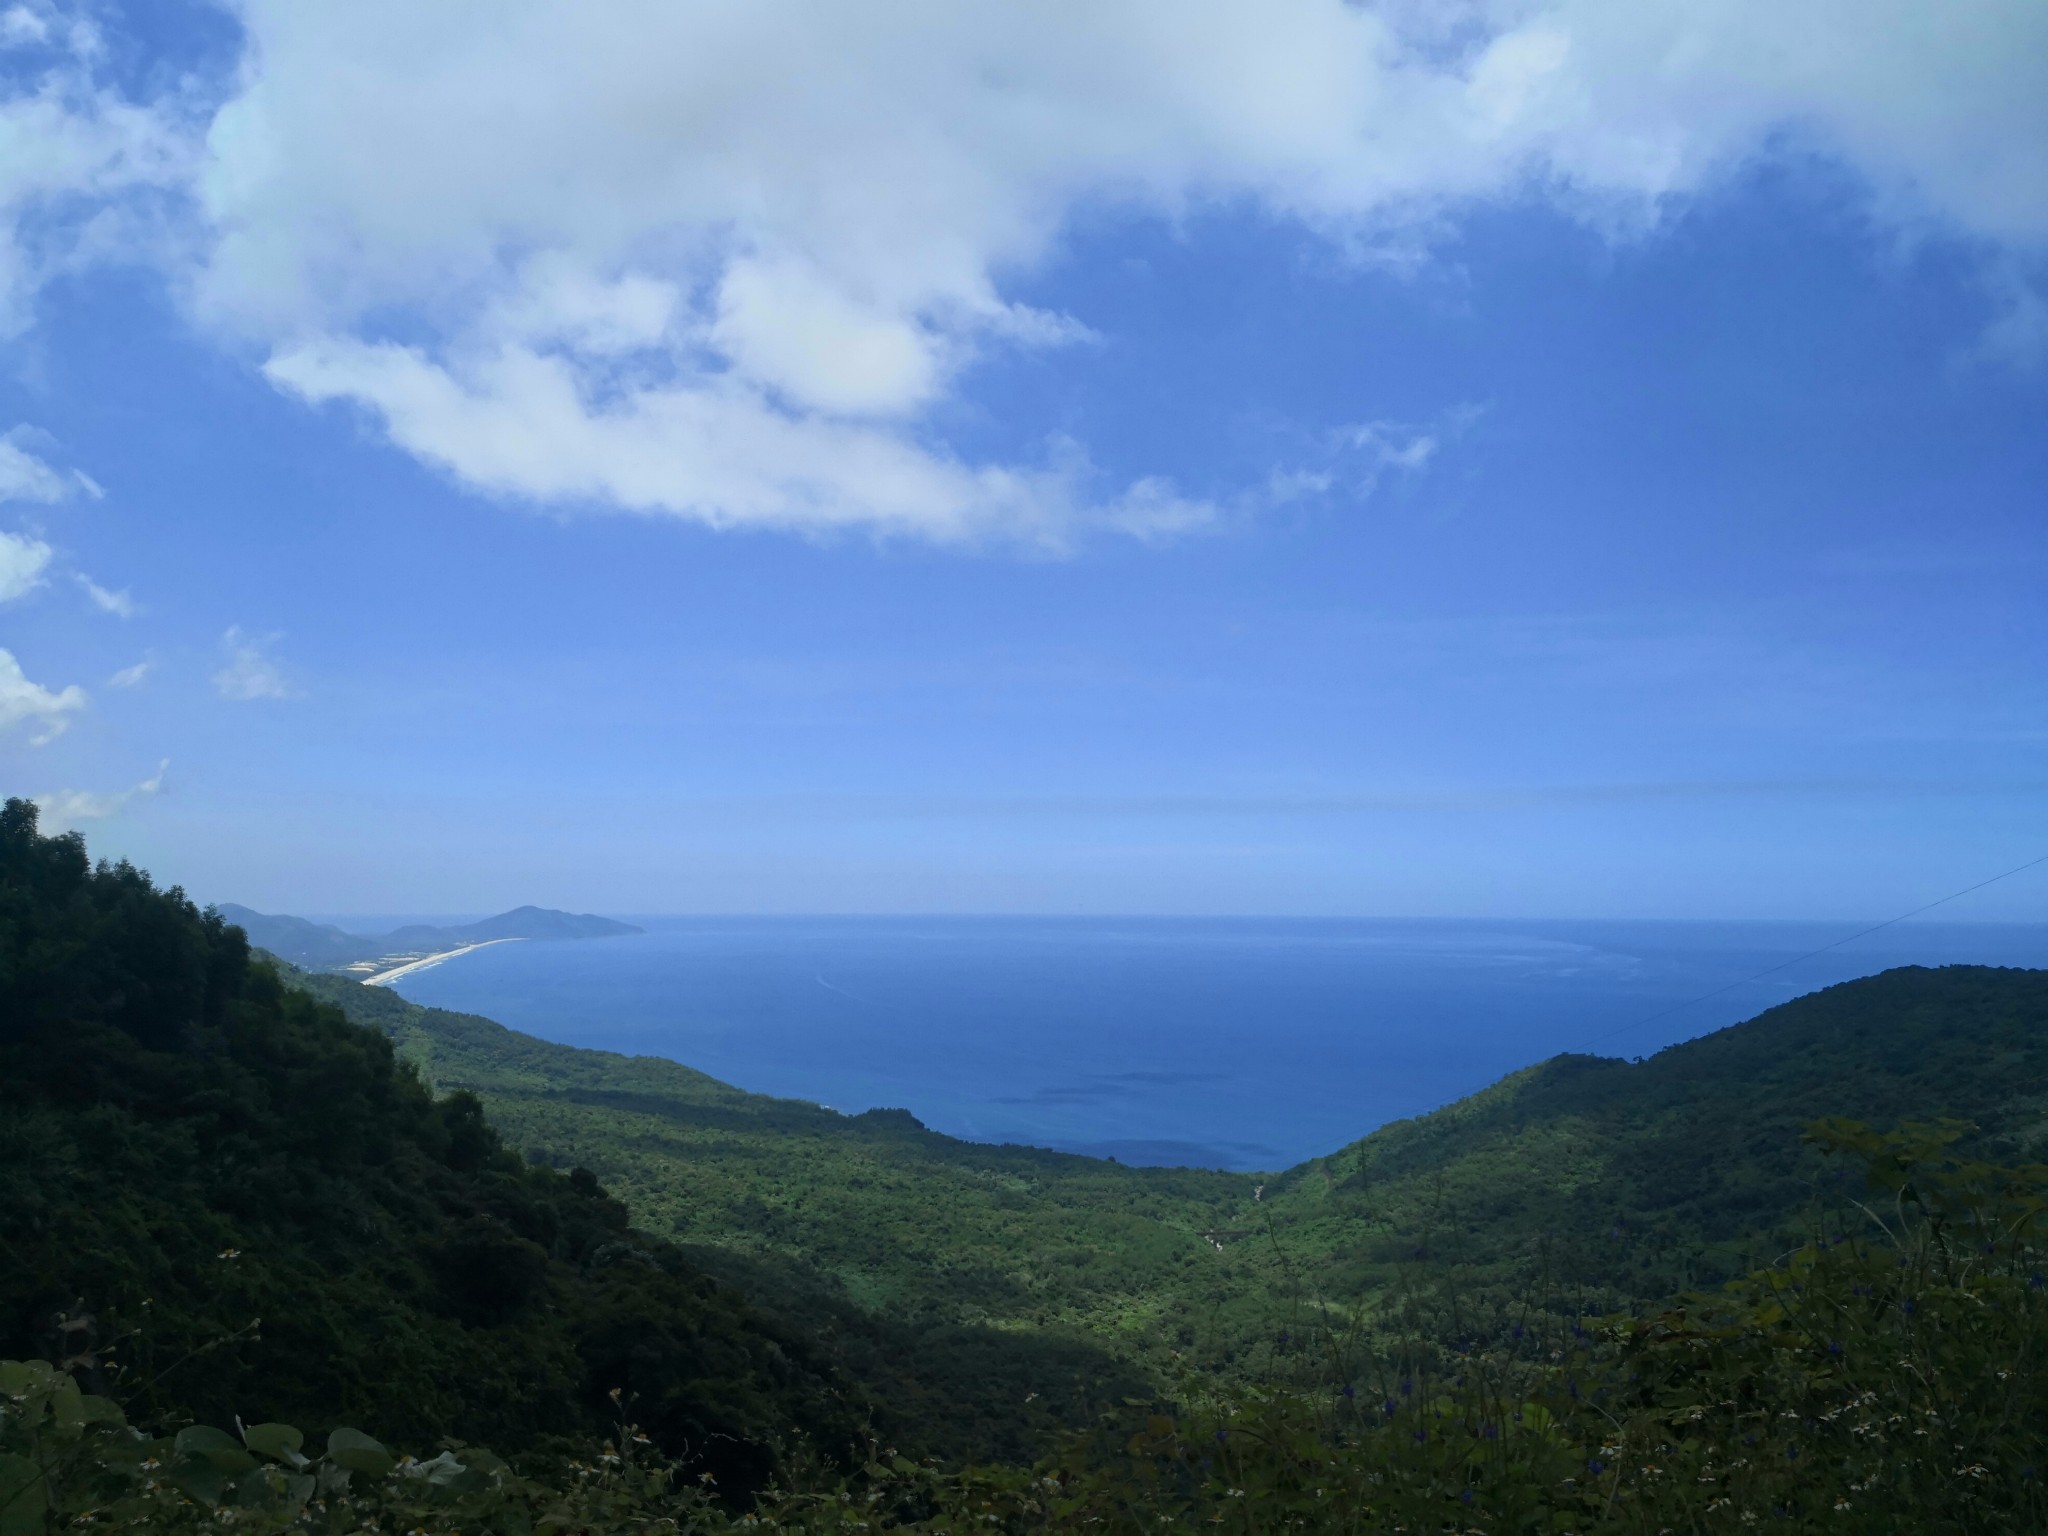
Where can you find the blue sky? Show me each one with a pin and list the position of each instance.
(1583, 460)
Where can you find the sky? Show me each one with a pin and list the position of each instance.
(1480, 458)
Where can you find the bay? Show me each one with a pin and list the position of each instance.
(1231, 1043)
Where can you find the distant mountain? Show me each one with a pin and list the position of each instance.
(322, 946)
(519, 923)
(317, 946)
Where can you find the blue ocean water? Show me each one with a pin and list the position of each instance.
(1242, 1044)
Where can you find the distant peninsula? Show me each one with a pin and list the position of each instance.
(383, 957)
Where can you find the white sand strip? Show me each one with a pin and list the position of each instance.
(385, 978)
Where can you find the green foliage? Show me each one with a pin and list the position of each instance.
(224, 1203)
(218, 1197)
(1578, 1186)
(1889, 1376)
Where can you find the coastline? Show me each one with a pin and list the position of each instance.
(385, 978)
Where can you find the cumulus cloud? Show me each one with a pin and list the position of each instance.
(22, 563)
(120, 604)
(250, 672)
(135, 676)
(721, 262)
(66, 808)
(716, 261)
(45, 712)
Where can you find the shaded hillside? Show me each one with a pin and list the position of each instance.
(187, 1147)
(997, 1274)
(1601, 1180)
(1685, 1167)
(318, 945)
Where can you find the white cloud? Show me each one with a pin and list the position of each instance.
(25, 477)
(721, 261)
(517, 422)
(78, 160)
(133, 677)
(46, 713)
(66, 808)
(120, 604)
(22, 563)
(250, 672)
(715, 261)
(21, 27)
(1357, 460)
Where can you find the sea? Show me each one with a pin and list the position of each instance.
(1238, 1044)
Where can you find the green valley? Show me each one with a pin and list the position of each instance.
(1604, 1181)
(234, 1193)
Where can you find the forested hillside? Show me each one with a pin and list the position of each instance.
(232, 1193)
(220, 1197)
(1595, 1182)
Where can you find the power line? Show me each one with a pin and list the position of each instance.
(1772, 970)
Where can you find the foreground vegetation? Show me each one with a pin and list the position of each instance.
(221, 1197)
(227, 1210)
(1889, 1377)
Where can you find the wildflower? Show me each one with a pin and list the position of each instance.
(229, 1253)
(1348, 1392)
(1391, 1407)
(1834, 1346)
(1596, 1466)
(1407, 1386)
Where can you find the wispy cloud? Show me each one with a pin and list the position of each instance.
(26, 477)
(22, 563)
(120, 604)
(2018, 333)
(46, 712)
(133, 677)
(20, 27)
(1358, 460)
(251, 672)
(66, 808)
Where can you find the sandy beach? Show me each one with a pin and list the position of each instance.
(385, 978)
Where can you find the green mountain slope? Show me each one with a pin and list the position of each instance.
(223, 1198)
(1582, 1182)
(191, 1141)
